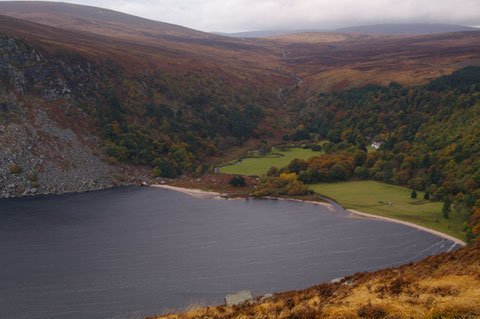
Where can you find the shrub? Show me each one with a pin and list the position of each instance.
(447, 208)
(35, 184)
(33, 177)
(15, 169)
(426, 196)
(316, 147)
(414, 194)
(272, 171)
(362, 172)
(371, 311)
(397, 286)
(297, 189)
(237, 181)
(112, 160)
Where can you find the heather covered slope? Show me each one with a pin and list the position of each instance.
(441, 286)
(86, 18)
(338, 61)
(325, 61)
(135, 42)
(170, 121)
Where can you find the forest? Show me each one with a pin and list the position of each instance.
(428, 138)
(183, 119)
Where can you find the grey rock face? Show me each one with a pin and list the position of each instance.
(238, 298)
(27, 71)
(334, 281)
(266, 297)
(43, 151)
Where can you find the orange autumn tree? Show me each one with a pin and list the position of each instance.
(284, 184)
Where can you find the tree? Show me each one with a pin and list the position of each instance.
(471, 185)
(297, 165)
(360, 157)
(272, 171)
(414, 194)
(237, 181)
(447, 208)
(362, 172)
(316, 147)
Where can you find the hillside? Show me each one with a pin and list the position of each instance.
(442, 286)
(136, 43)
(66, 75)
(325, 61)
(174, 100)
(338, 61)
(90, 19)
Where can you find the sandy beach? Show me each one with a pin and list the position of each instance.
(198, 193)
(356, 213)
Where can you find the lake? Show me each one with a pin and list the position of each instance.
(133, 252)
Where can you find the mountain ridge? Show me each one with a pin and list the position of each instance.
(385, 29)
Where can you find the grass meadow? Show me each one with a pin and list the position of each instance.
(374, 198)
(260, 165)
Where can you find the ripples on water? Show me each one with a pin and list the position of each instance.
(134, 252)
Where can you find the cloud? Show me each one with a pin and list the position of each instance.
(245, 15)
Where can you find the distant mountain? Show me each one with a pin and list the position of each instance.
(266, 33)
(414, 28)
(385, 29)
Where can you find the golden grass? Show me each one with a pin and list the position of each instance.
(442, 286)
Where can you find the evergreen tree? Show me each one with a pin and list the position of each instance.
(414, 194)
(237, 181)
(447, 208)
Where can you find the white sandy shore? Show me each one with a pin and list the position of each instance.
(198, 193)
(392, 220)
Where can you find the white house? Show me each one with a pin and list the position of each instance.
(376, 145)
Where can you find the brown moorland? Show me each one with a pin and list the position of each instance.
(325, 61)
(441, 286)
(139, 44)
(336, 61)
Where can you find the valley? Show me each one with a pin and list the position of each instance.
(384, 123)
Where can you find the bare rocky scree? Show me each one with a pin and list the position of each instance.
(48, 144)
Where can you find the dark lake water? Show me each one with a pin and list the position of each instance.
(133, 252)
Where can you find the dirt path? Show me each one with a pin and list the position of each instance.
(298, 81)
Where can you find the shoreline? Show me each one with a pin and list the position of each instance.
(357, 214)
(198, 193)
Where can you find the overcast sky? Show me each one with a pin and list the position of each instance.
(248, 15)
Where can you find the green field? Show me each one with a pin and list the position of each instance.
(366, 196)
(261, 165)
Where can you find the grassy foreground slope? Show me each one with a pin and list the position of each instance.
(261, 165)
(441, 286)
(375, 198)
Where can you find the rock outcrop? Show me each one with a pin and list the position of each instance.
(48, 143)
(238, 298)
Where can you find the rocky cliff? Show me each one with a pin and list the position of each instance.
(48, 143)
